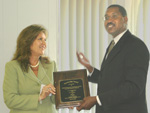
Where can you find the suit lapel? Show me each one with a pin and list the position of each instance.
(115, 50)
(41, 74)
(104, 59)
(111, 55)
(31, 75)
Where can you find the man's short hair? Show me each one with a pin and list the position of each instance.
(121, 9)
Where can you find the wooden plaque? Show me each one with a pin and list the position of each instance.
(71, 87)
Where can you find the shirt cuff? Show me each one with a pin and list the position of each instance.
(98, 101)
(91, 72)
(42, 85)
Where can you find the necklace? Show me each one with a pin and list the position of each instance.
(35, 65)
(33, 75)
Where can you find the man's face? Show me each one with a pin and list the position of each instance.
(115, 23)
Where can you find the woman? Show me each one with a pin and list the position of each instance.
(28, 82)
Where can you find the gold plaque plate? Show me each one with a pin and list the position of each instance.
(71, 87)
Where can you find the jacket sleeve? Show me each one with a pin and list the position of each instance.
(52, 98)
(13, 99)
(94, 77)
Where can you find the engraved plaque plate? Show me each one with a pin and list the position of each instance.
(71, 87)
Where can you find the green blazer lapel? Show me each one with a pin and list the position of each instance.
(31, 75)
(41, 72)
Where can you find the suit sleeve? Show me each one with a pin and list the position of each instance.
(12, 98)
(95, 75)
(135, 73)
(52, 98)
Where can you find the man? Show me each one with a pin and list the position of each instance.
(122, 77)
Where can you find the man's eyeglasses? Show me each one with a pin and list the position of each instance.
(114, 16)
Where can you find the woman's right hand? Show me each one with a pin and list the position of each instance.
(48, 89)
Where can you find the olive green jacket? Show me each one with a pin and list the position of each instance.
(21, 89)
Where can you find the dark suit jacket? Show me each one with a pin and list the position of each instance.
(122, 77)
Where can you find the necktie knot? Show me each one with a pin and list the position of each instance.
(111, 46)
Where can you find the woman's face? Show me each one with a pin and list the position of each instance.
(39, 45)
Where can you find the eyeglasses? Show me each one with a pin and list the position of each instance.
(113, 16)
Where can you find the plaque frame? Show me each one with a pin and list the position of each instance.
(71, 75)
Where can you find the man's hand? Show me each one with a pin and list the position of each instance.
(84, 61)
(88, 103)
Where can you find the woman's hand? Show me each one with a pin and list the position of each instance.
(48, 89)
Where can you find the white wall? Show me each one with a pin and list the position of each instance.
(18, 14)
